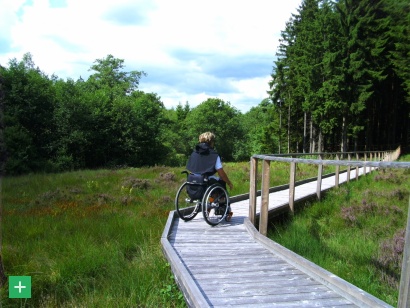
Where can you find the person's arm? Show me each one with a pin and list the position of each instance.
(224, 177)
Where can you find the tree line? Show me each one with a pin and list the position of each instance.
(340, 81)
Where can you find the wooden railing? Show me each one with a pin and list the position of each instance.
(370, 160)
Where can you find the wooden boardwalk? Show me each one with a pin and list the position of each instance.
(233, 265)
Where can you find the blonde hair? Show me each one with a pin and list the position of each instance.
(207, 137)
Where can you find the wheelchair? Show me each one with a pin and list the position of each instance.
(198, 193)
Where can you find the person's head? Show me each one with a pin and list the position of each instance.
(207, 137)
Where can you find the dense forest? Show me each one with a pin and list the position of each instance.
(340, 82)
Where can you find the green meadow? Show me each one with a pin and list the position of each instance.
(92, 238)
(356, 231)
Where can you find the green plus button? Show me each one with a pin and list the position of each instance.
(19, 286)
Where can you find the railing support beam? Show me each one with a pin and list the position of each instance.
(337, 172)
(319, 179)
(263, 219)
(292, 180)
(404, 290)
(253, 189)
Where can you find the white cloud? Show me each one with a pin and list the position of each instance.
(183, 45)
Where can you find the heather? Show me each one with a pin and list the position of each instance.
(355, 231)
(91, 238)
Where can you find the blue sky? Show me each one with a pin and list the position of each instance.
(191, 50)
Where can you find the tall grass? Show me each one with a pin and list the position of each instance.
(92, 238)
(355, 232)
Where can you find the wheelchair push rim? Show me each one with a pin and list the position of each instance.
(215, 204)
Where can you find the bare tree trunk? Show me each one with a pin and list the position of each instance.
(289, 128)
(320, 142)
(311, 145)
(344, 135)
(280, 127)
(304, 132)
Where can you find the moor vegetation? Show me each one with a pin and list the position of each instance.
(84, 201)
(355, 231)
(92, 238)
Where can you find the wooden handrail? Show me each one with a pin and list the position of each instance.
(384, 160)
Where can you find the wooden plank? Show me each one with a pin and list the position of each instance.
(292, 179)
(319, 180)
(404, 291)
(192, 294)
(263, 221)
(342, 287)
(337, 175)
(226, 265)
(253, 189)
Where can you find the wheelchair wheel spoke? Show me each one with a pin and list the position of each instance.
(215, 204)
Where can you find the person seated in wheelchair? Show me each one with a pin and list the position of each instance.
(205, 161)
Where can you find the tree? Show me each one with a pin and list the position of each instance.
(222, 119)
(111, 94)
(338, 69)
(148, 125)
(174, 135)
(3, 277)
(286, 88)
(28, 108)
(72, 117)
(109, 75)
(262, 129)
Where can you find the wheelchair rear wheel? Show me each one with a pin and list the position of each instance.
(184, 205)
(215, 204)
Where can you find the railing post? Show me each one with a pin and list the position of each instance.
(253, 189)
(371, 159)
(319, 179)
(364, 167)
(337, 172)
(404, 290)
(263, 218)
(292, 179)
(357, 168)
(349, 157)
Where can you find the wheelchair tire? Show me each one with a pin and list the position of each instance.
(185, 207)
(215, 204)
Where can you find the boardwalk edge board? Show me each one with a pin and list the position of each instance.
(193, 296)
(196, 297)
(346, 289)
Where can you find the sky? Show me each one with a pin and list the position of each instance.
(190, 50)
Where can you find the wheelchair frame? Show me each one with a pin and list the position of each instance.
(214, 203)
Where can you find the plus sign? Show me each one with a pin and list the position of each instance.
(19, 287)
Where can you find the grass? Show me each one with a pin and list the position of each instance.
(355, 232)
(92, 238)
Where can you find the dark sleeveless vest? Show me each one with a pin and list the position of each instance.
(202, 160)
